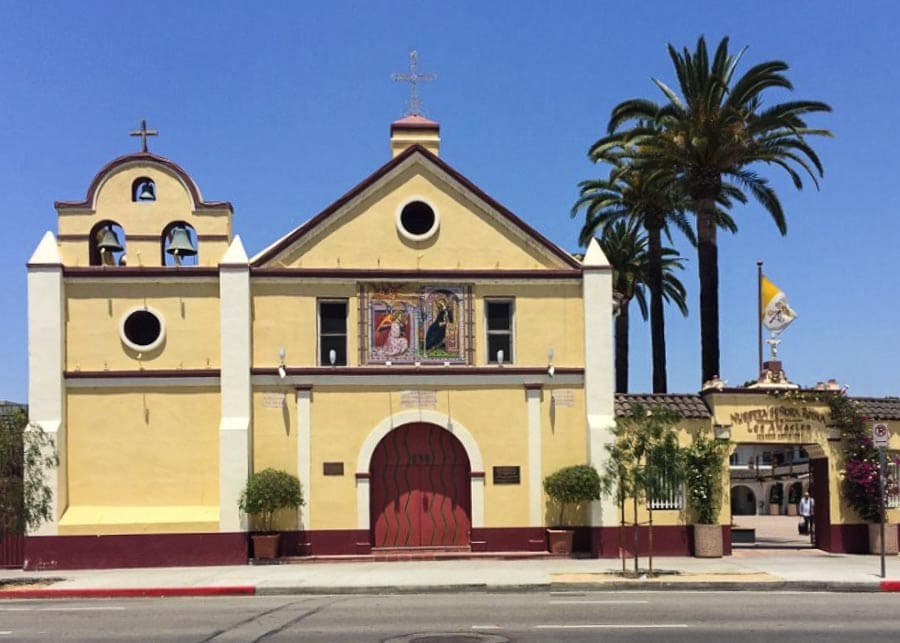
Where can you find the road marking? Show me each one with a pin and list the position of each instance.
(83, 609)
(485, 627)
(5, 632)
(612, 626)
(599, 602)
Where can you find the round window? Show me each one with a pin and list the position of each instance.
(142, 329)
(417, 220)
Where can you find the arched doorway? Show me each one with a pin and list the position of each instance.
(743, 501)
(420, 477)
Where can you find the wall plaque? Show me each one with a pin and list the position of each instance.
(418, 399)
(507, 475)
(273, 400)
(563, 397)
(333, 468)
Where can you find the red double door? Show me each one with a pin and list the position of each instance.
(420, 489)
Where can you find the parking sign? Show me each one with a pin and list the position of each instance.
(880, 436)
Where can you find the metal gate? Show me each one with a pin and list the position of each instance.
(420, 489)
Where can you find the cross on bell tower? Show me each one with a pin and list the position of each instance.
(144, 133)
(413, 77)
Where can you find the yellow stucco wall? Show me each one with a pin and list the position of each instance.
(343, 417)
(94, 310)
(367, 237)
(135, 464)
(547, 315)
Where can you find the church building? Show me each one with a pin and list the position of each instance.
(418, 355)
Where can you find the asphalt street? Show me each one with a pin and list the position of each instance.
(562, 616)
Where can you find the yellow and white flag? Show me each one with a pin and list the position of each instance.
(776, 314)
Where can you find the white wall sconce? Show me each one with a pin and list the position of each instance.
(332, 357)
(282, 371)
(500, 357)
(550, 369)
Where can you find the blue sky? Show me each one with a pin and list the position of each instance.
(282, 107)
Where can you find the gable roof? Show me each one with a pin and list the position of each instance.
(292, 237)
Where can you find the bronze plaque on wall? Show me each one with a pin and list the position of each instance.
(333, 468)
(507, 475)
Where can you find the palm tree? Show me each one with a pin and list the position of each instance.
(629, 194)
(626, 250)
(710, 137)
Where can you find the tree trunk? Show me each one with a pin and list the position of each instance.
(708, 266)
(657, 319)
(621, 327)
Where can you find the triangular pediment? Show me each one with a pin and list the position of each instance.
(451, 225)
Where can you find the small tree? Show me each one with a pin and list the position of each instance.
(266, 492)
(27, 453)
(572, 486)
(644, 456)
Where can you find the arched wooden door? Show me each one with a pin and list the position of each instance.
(420, 489)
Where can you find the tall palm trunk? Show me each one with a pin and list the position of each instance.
(708, 266)
(657, 319)
(621, 330)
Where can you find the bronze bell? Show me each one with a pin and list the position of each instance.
(146, 191)
(180, 244)
(109, 242)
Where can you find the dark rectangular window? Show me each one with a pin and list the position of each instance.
(499, 330)
(333, 332)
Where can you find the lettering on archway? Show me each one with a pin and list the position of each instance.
(786, 423)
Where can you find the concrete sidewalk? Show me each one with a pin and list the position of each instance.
(746, 569)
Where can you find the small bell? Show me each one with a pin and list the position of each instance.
(146, 192)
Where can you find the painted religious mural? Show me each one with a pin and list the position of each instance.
(410, 324)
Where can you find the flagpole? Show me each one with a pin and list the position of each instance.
(759, 332)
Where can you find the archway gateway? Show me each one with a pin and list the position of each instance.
(420, 497)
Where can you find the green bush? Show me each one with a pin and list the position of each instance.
(795, 492)
(572, 486)
(266, 492)
(776, 494)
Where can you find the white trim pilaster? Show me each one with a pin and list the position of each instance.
(535, 486)
(46, 366)
(598, 369)
(304, 454)
(234, 428)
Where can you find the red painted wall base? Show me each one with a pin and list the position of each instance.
(134, 550)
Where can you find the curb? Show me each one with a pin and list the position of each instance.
(890, 586)
(129, 592)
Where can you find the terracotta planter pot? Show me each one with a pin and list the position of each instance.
(265, 546)
(774, 509)
(890, 538)
(792, 509)
(559, 541)
(708, 541)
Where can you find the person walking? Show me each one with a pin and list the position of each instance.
(807, 509)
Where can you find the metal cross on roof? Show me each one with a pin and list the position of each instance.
(414, 106)
(144, 133)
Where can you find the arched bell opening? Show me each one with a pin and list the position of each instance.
(143, 189)
(106, 244)
(179, 245)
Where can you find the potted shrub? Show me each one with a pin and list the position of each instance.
(795, 491)
(569, 487)
(268, 491)
(776, 495)
(704, 468)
